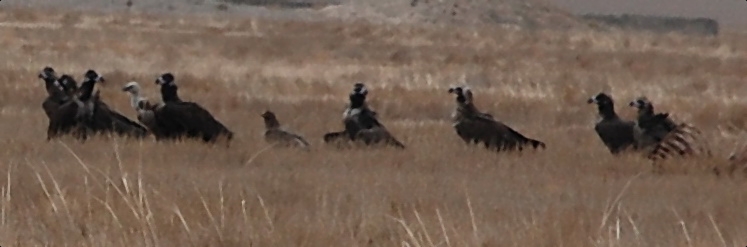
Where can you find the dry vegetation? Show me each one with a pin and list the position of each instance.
(438, 192)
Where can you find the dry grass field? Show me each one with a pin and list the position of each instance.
(438, 192)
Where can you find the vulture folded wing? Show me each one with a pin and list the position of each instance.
(367, 120)
(477, 129)
(377, 135)
(124, 125)
(522, 139)
(172, 120)
(616, 134)
(191, 119)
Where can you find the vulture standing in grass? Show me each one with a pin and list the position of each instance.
(76, 114)
(87, 114)
(100, 117)
(616, 133)
(662, 138)
(274, 134)
(145, 110)
(359, 92)
(651, 127)
(474, 126)
(361, 123)
(181, 118)
(55, 93)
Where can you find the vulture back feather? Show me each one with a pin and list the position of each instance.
(617, 134)
(361, 123)
(474, 126)
(55, 93)
(188, 119)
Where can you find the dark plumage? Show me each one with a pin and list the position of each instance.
(177, 118)
(87, 114)
(361, 124)
(616, 133)
(169, 90)
(55, 93)
(651, 127)
(106, 119)
(69, 85)
(662, 138)
(684, 140)
(77, 113)
(474, 126)
(274, 134)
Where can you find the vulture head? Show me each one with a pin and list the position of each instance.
(358, 95)
(93, 76)
(136, 101)
(600, 99)
(165, 79)
(132, 87)
(642, 104)
(461, 93)
(67, 83)
(271, 120)
(604, 103)
(48, 73)
(360, 88)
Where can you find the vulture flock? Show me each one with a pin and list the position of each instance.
(78, 110)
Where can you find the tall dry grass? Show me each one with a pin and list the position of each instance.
(438, 192)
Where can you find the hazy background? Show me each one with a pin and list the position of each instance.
(729, 13)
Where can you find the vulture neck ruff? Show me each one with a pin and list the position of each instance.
(87, 89)
(271, 123)
(607, 110)
(169, 93)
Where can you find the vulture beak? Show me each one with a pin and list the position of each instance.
(451, 90)
(100, 79)
(633, 104)
(591, 100)
(41, 76)
(127, 88)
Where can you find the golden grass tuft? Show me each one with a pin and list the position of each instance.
(111, 191)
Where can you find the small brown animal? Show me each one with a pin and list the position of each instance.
(274, 134)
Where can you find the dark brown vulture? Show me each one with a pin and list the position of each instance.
(86, 114)
(616, 133)
(651, 127)
(275, 134)
(55, 93)
(177, 118)
(361, 124)
(661, 138)
(474, 126)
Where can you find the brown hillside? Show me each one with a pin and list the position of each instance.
(510, 13)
